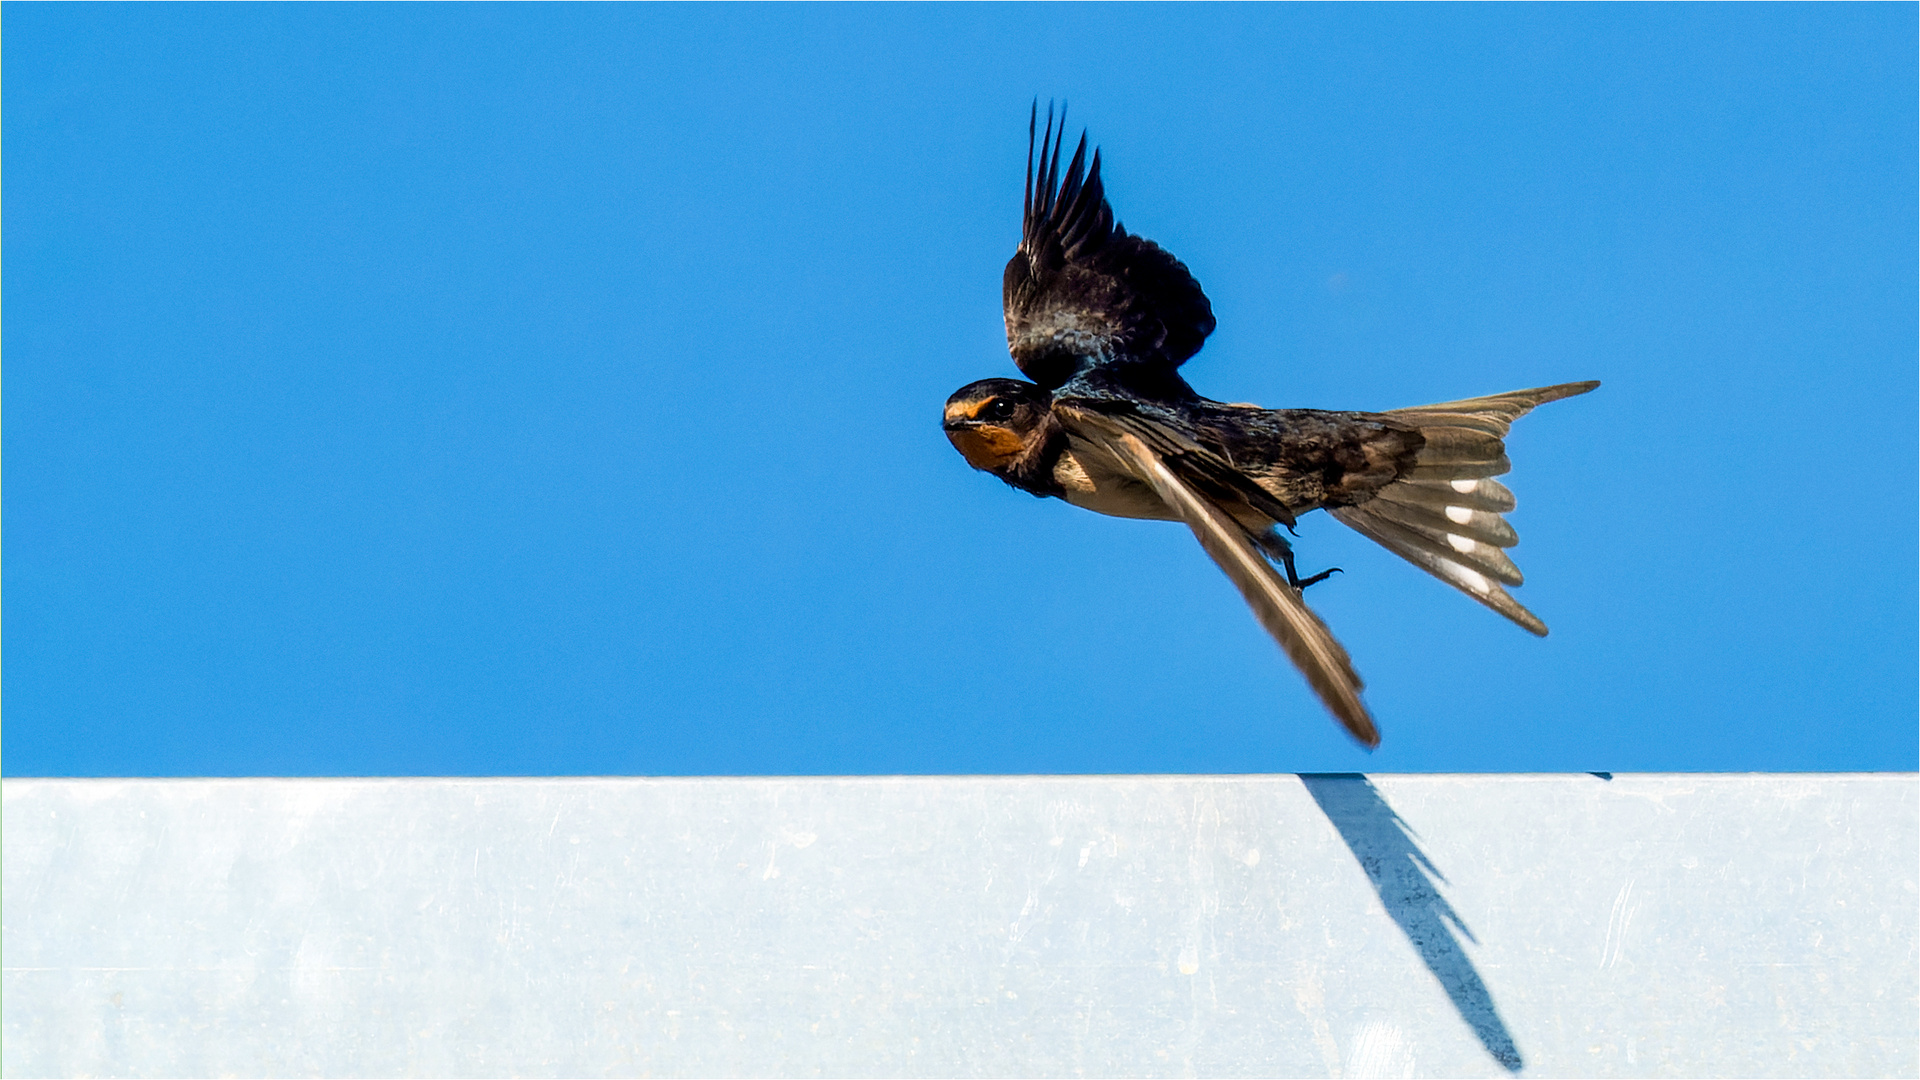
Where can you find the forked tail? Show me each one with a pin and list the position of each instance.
(1443, 515)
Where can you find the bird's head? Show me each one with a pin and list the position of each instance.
(994, 421)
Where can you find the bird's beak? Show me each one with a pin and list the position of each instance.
(960, 418)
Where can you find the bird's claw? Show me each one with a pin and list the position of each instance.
(1300, 584)
(1280, 551)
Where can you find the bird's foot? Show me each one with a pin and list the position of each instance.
(1280, 551)
(1300, 584)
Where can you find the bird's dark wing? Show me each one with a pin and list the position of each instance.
(1080, 288)
(1299, 632)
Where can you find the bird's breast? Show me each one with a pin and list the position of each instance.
(1092, 481)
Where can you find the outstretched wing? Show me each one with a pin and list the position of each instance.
(1300, 633)
(1080, 288)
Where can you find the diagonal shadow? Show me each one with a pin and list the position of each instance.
(1408, 884)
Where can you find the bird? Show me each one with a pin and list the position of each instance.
(1100, 320)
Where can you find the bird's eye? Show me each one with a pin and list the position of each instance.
(998, 409)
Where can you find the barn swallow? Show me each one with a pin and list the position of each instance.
(1100, 321)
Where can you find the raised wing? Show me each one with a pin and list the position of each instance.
(1080, 289)
(1299, 632)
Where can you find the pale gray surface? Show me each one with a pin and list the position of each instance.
(1701, 925)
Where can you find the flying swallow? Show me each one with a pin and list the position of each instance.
(1100, 321)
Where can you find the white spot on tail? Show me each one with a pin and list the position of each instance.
(1459, 515)
(1466, 487)
(1459, 543)
(1472, 580)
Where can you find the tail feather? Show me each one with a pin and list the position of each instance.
(1471, 582)
(1443, 513)
(1485, 493)
(1494, 413)
(1447, 520)
(1437, 468)
(1445, 542)
(1455, 444)
(1433, 414)
(1455, 452)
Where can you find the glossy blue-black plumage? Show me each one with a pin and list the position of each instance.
(1083, 295)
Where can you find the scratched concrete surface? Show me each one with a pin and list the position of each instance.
(1564, 925)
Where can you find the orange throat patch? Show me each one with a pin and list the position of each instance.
(987, 448)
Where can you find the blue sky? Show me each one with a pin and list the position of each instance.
(555, 390)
